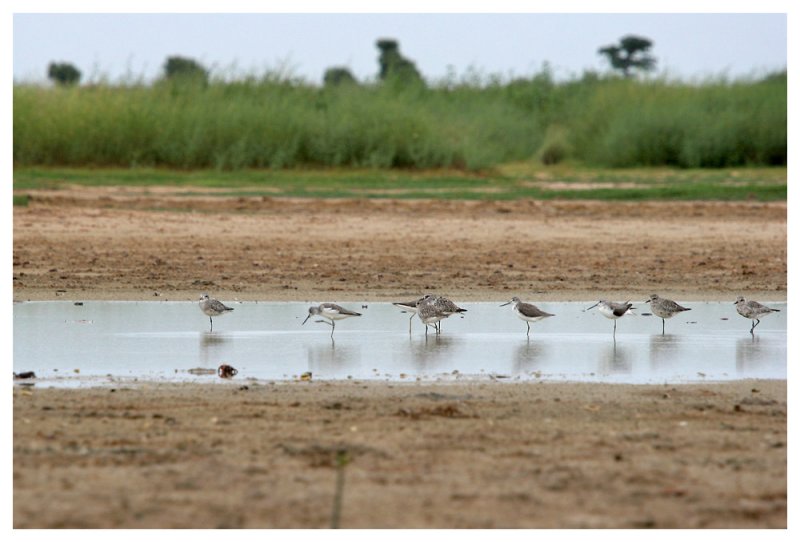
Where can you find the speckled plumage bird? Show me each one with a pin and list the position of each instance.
(212, 307)
(664, 308)
(752, 310)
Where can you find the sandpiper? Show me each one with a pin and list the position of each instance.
(527, 311)
(409, 306)
(332, 312)
(753, 310)
(613, 310)
(212, 307)
(664, 308)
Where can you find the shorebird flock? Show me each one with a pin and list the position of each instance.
(432, 309)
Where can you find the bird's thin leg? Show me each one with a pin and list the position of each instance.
(529, 328)
(662, 326)
(333, 328)
(212, 323)
(615, 327)
(409, 324)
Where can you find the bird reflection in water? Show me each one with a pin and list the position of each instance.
(663, 350)
(330, 360)
(528, 358)
(427, 352)
(213, 348)
(616, 359)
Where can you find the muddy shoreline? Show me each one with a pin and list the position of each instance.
(241, 454)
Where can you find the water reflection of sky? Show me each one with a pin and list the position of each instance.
(62, 342)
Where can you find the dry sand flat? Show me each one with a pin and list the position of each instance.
(114, 244)
(455, 455)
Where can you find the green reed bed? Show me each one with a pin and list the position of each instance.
(716, 124)
(237, 126)
(271, 123)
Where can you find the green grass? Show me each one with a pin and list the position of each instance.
(508, 182)
(472, 125)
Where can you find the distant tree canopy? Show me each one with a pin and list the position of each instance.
(177, 67)
(393, 65)
(630, 53)
(63, 73)
(338, 76)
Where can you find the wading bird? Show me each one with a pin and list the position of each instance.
(212, 307)
(612, 310)
(409, 306)
(664, 308)
(332, 312)
(527, 311)
(752, 310)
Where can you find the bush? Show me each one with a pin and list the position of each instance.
(338, 76)
(63, 73)
(556, 147)
(186, 69)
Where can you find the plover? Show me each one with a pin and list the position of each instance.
(664, 308)
(428, 313)
(212, 307)
(752, 310)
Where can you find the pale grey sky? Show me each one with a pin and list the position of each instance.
(689, 46)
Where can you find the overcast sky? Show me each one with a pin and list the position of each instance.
(688, 46)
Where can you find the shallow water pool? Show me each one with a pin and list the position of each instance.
(111, 342)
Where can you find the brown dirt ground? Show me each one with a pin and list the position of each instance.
(116, 244)
(481, 454)
(456, 455)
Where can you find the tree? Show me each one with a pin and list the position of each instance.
(631, 53)
(63, 73)
(185, 69)
(394, 65)
(338, 76)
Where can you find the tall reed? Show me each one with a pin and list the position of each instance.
(271, 123)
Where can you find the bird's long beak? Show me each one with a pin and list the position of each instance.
(593, 306)
(648, 301)
(306, 320)
(504, 304)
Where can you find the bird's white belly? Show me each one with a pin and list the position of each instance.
(333, 315)
(608, 312)
(528, 318)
